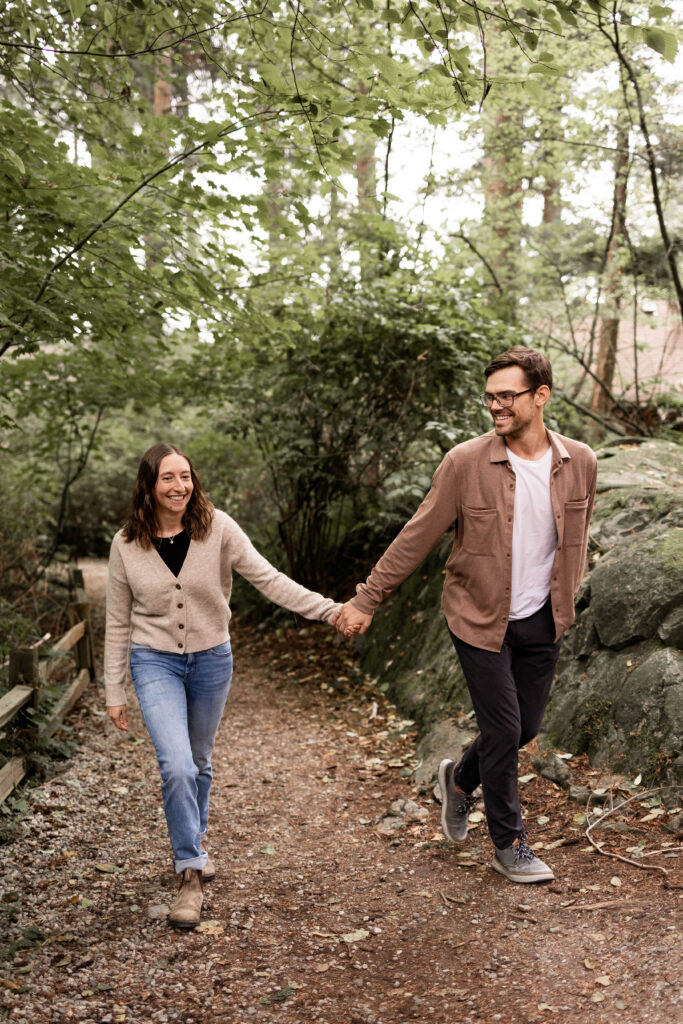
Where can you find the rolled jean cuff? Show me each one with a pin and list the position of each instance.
(198, 863)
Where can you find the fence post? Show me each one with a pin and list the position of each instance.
(76, 581)
(79, 611)
(23, 668)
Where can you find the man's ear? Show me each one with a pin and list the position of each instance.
(542, 394)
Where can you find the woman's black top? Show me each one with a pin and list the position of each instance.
(173, 550)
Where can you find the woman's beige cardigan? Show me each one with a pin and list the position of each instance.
(147, 604)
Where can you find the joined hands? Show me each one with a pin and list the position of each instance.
(349, 620)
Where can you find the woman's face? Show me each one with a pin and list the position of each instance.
(173, 489)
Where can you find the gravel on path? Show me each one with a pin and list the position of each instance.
(316, 916)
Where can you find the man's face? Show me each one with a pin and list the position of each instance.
(517, 418)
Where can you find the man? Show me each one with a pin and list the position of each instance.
(521, 498)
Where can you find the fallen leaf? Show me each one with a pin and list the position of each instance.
(525, 778)
(475, 817)
(356, 936)
(603, 979)
(321, 968)
(210, 928)
(590, 965)
(270, 850)
(542, 819)
(106, 869)
(597, 997)
(615, 881)
(278, 997)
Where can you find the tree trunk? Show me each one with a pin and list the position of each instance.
(609, 328)
(502, 180)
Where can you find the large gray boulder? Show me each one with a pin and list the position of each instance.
(619, 691)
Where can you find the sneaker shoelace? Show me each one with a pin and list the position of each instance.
(523, 852)
(465, 806)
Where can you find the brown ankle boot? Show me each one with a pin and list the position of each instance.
(209, 871)
(187, 906)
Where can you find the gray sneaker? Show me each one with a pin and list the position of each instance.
(520, 864)
(455, 805)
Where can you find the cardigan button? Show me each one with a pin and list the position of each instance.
(178, 587)
(180, 606)
(180, 646)
(180, 626)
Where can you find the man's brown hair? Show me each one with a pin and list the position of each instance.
(536, 366)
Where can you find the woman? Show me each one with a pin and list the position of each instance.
(170, 575)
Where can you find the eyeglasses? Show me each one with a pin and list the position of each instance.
(505, 399)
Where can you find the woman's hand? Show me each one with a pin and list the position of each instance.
(119, 716)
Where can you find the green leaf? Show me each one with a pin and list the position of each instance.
(544, 69)
(11, 157)
(77, 8)
(566, 15)
(661, 41)
(388, 68)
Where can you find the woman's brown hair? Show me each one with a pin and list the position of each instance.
(141, 524)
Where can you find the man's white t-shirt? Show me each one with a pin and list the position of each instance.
(534, 535)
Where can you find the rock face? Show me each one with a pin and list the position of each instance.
(619, 691)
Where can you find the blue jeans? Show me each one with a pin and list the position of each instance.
(182, 697)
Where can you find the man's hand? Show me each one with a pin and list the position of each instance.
(351, 620)
(119, 716)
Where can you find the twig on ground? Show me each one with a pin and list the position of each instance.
(605, 905)
(618, 856)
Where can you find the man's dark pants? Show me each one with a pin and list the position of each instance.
(509, 691)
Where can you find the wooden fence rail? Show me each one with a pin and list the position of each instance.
(27, 674)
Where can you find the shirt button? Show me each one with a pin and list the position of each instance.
(180, 606)
(180, 626)
(507, 555)
(180, 646)
(177, 586)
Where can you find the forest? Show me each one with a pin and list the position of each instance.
(288, 236)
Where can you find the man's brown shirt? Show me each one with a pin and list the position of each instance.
(474, 488)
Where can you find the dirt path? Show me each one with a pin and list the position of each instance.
(314, 915)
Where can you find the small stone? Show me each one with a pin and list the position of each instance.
(390, 825)
(157, 912)
(551, 767)
(414, 812)
(579, 794)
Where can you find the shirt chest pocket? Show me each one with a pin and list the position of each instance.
(479, 530)
(574, 522)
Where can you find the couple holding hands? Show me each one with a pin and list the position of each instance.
(520, 499)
